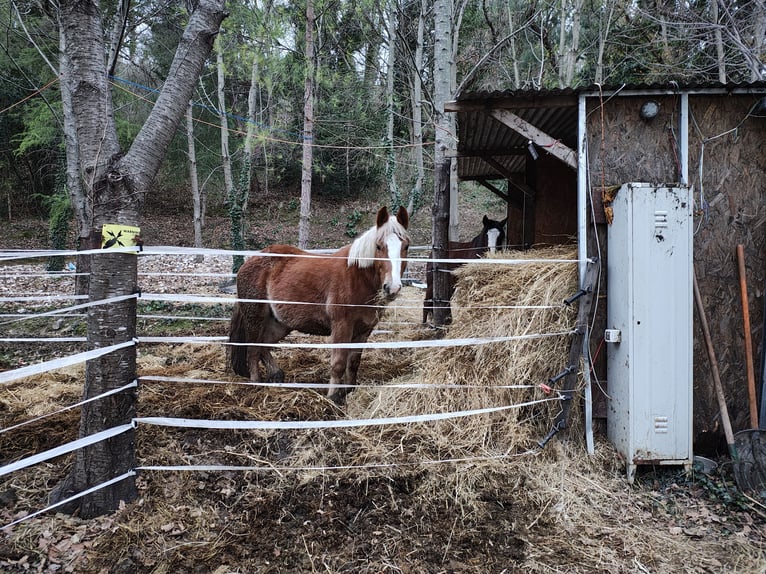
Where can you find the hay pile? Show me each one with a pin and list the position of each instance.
(493, 301)
(490, 301)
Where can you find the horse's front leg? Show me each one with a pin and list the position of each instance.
(344, 365)
(338, 362)
(273, 332)
(355, 358)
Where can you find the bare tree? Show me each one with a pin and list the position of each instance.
(114, 183)
(308, 130)
(196, 193)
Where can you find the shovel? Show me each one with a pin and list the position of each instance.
(750, 443)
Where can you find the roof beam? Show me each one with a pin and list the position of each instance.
(514, 151)
(479, 104)
(500, 169)
(540, 138)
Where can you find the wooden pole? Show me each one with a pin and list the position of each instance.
(441, 279)
(748, 337)
(716, 374)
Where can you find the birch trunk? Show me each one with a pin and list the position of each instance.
(393, 188)
(417, 113)
(196, 193)
(308, 131)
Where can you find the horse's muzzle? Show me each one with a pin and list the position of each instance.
(391, 290)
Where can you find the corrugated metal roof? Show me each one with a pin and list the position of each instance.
(486, 147)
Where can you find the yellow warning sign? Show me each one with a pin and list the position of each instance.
(114, 235)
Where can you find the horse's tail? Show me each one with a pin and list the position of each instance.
(238, 334)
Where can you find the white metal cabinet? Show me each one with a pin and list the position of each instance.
(649, 311)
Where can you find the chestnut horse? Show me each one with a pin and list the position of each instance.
(492, 236)
(339, 295)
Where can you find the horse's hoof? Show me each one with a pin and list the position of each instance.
(338, 398)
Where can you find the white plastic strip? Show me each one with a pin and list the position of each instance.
(316, 253)
(182, 317)
(42, 339)
(75, 307)
(184, 274)
(74, 497)
(134, 384)
(428, 343)
(41, 298)
(50, 274)
(190, 298)
(44, 367)
(300, 385)
(65, 449)
(343, 423)
(322, 253)
(40, 253)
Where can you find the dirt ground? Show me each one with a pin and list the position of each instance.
(417, 499)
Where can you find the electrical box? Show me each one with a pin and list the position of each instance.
(649, 304)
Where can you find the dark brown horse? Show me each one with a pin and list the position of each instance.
(491, 237)
(339, 295)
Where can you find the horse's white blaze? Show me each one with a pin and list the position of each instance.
(492, 235)
(394, 245)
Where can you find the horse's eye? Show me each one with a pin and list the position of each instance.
(379, 247)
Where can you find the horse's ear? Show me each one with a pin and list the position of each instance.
(382, 218)
(403, 216)
(503, 222)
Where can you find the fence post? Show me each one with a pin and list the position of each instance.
(440, 212)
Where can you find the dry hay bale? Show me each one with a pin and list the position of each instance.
(482, 297)
(484, 293)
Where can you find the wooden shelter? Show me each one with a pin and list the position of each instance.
(552, 155)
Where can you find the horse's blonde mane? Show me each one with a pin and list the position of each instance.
(362, 252)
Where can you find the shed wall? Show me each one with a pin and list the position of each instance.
(727, 169)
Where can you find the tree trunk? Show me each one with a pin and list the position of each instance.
(252, 108)
(193, 179)
(450, 120)
(720, 54)
(114, 186)
(393, 188)
(443, 143)
(755, 60)
(308, 131)
(417, 113)
(80, 201)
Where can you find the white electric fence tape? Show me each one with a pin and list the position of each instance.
(72, 498)
(426, 343)
(65, 448)
(70, 407)
(44, 367)
(43, 339)
(343, 423)
(41, 298)
(301, 385)
(75, 308)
